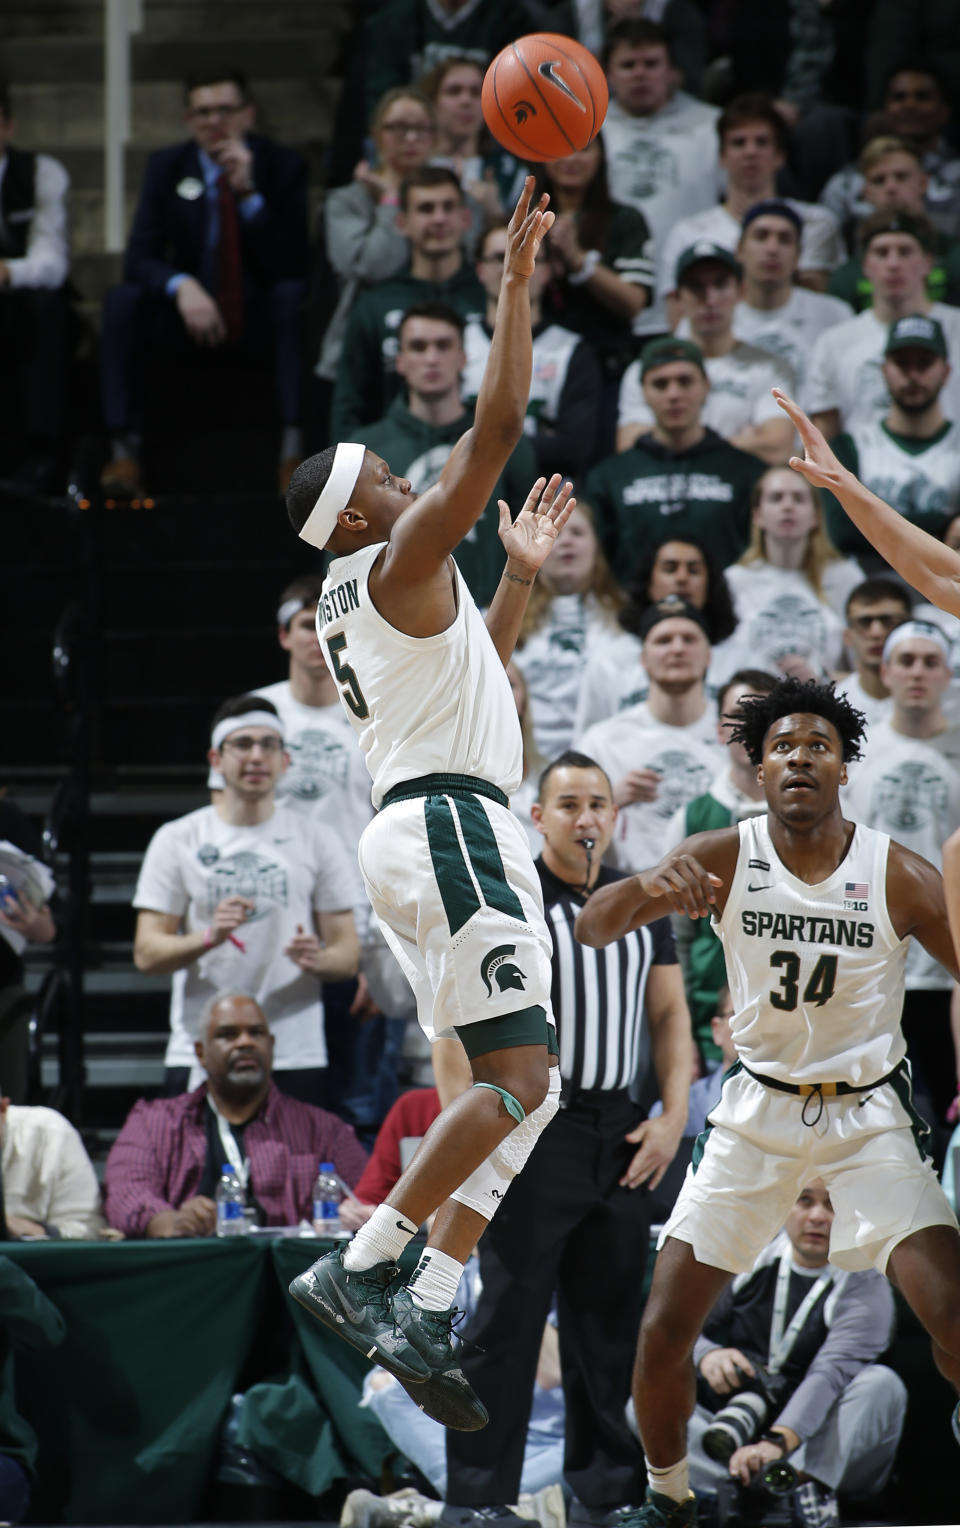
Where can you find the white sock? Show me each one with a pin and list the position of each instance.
(433, 1283)
(673, 1482)
(380, 1240)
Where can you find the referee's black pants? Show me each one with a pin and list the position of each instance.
(565, 1225)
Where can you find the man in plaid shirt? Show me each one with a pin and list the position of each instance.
(163, 1169)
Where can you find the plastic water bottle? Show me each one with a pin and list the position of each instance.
(231, 1202)
(327, 1195)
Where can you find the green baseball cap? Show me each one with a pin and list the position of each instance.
(705, 249)
(661, 352)
(917, 331)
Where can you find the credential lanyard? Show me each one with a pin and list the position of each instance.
(240, 1165)
(782, 1342)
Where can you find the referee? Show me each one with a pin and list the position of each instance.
(577, 1220)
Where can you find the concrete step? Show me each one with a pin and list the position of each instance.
(70, 113)
(182, 18)
(32, 18)
(261, 53)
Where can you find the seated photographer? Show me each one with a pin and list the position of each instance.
(786, 1370)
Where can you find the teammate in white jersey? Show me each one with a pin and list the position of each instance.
(446, 865)
(815, 914)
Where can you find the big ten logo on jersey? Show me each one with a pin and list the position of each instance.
(262, 881)
(856, 895)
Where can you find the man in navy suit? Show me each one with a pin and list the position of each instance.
(216, 260)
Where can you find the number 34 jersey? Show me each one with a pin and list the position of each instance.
(419, 705)
(816, 973)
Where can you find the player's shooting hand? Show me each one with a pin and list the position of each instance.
(684, 884)
(819, 465)
(637, 785)
(528, 540)
(304, 950)
(525, 232)
(724, 1368)
(657, 1140)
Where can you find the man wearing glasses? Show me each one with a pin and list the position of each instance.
(216, 261)
(874, 608)
(248, 896)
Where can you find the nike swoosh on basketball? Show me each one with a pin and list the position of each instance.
(548, 71)
(767, 886)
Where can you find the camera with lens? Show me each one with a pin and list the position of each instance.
(745, 1415)
(767, 1501)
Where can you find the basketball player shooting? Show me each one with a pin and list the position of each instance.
(925, 563)
(445, 863)
(815, 914)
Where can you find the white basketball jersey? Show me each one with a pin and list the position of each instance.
(419, 705)
(816, 973)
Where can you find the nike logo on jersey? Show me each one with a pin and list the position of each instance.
(767, 886)
(548, 71)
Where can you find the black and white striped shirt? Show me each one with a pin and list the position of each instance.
(598, 994)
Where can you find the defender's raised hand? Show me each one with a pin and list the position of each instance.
(818, 465)
(529, 539)
(525, 232)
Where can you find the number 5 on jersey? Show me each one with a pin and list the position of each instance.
(346, 678)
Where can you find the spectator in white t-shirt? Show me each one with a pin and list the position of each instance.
(662, 752)
(773, 312)
(911, 456)
(328, 781)
(572, 614)
(874, 608)
(660, 142)
(845, 383)
(754, 140)
(739, 405)
(670, 565)
(907, 784)
(248, 895)
(790, 587)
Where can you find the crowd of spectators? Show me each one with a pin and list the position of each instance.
(774, 208)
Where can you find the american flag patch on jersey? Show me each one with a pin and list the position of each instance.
(858, 889)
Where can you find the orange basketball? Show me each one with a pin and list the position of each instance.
(544, 96)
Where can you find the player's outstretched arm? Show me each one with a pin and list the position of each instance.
(923, 561)
(951, 887)
(429, 530)
(691, 879)
(925, 904)
(528, 542)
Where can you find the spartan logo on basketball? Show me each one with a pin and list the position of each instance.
(499, 966)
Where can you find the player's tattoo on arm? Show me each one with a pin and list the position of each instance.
(516, 579)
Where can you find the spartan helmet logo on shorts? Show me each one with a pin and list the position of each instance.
(499, 965)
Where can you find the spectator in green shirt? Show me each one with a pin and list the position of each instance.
(422, 426)
(434, 218)
(682, 477)
(894, 179)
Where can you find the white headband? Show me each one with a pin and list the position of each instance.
(288, 610)
(925, 629)
(319, 524)
(248, 719)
